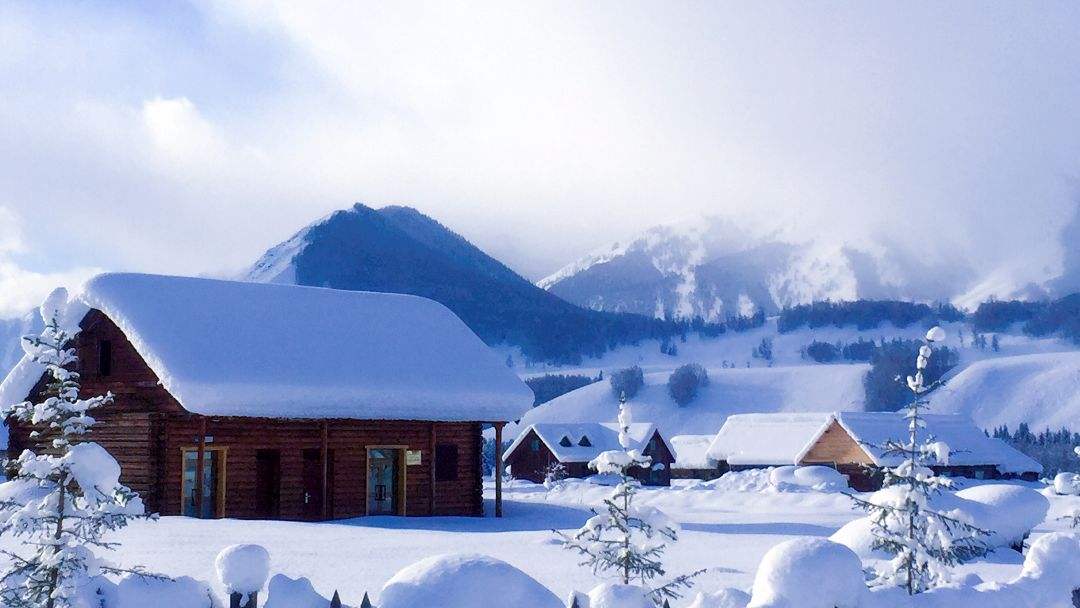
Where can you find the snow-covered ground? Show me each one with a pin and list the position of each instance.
(727, 526)
(1033, 380)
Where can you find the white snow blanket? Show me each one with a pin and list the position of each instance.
(285, 592)
(464, 581)
(612, 595)
(691, 451)
(820, 478)
(1067, 484)
(226, 348)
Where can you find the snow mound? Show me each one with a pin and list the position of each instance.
(1067, 484)
(819, 478)
(1009, 512)
(724, 598)
(285, 592)
(135, 591)
(730, 391)
(612, 595)
(464, 581)
(809, 573)
(243, 568)
(1041, 389)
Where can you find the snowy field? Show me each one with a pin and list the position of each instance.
(726, 529)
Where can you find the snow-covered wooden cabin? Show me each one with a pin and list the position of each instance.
(846, 441)
(692, 457)
(292, 402)
(541, 445)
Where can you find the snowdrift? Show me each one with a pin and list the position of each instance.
(464, 581)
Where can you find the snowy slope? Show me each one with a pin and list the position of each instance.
(1040, 389)
(820, 388)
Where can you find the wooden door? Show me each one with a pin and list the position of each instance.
(384, 481)
(268, 484)
(312, 499)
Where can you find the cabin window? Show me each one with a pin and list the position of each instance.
(213, 483)
(104, 358)
(584, 442)
(565, 442)
(534, 445)
(980, 474)
(446, 462)
(653, 445)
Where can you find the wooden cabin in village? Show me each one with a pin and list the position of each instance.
(541, 445)
(847, 442)
(279, 402)
(692, 458)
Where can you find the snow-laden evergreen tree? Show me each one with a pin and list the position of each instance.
(924, 542)
(627, 539)
(59, 503)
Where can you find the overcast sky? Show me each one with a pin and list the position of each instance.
(188, 138)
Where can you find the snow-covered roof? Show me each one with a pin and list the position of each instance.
(597, 436)
(691, 451)
(229, 348)
(767, 439)
(970, 444)
(783, 439)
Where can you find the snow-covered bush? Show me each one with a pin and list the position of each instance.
(627, 539)
(60, 504)
(685, 382)
(285, 592)
(809, 573)
(1067, 484)
(814, 477)
(554, 475)
(464, 581)
(243, 569)
(627, 382)
(922, 541)
(615, 595)
(724, 598)
(141, 592)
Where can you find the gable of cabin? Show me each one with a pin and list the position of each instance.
(836, 446)
(530, 458)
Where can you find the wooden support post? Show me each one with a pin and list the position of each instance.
(200, 462)
(498, 468)
(431, 469)
(325, 469)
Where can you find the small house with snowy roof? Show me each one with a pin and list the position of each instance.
(849, 442)
(539, 446)
(271, 401)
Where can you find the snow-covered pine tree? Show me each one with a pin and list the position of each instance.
(924, 542)
(60, 503)
(627, 539)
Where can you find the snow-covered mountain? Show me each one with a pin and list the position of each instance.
(713, 268)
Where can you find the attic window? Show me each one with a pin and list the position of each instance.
(584, 442)
(104, 358)
(565, 442)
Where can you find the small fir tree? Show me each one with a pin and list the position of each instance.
(60, 503)
(627, 539)
(924, 542)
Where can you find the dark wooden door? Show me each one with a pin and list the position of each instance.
(311, 502)
(268, 484)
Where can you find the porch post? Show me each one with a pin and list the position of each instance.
(325, 468)
(200, 462)
(498, 468)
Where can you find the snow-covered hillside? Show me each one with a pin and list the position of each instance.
(712, 267)
(1041, 389)
(731, 391)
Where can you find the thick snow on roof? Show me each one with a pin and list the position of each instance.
(245, 349)
(692, 451)
(970, 444)
(601, 437)
(780, 439)
(767, 439)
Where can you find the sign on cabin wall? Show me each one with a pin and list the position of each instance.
(412, 457)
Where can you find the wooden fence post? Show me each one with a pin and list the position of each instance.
(236, 600)
(365, 603)
(335, 602)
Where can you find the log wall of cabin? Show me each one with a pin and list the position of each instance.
(145, 429)
(836, 446)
